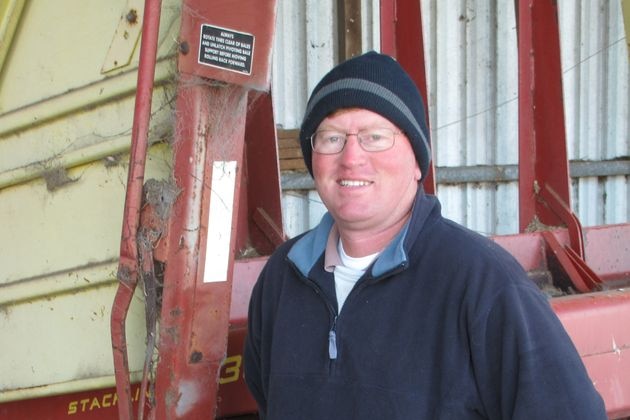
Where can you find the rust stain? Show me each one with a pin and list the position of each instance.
(132, 16)
(196, 357)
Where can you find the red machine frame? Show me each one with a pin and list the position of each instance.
(194, 377)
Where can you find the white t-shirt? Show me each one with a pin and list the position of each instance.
(346, 275)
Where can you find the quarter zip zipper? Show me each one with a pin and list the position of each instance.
(332, 340)
(332, 332)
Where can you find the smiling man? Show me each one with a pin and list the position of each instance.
(387, 310)
(367, 179)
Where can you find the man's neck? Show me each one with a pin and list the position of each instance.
(360, 243)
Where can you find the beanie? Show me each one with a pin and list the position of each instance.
(375, 82)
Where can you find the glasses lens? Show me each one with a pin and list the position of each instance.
(328, 142)
(376, 139)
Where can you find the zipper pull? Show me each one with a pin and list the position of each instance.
(332, 340)
(332, 344)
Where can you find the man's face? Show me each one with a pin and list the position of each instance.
(366, 190)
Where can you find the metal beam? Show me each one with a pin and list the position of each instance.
(349, 28)
(487, 173)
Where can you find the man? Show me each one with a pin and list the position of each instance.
(387, 310)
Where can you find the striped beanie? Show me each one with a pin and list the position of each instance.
(375, 82)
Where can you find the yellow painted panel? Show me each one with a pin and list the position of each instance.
(126, 36)
(61, 46)
(64, 338)
(79, 137)
(50, 284)
(76, 224)
(58, 262)
(10, 11)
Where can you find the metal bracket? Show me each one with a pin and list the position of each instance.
(562, 210)
(125, 38)
(272, 231)
(571, 257)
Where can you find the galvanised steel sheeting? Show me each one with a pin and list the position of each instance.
(596, 90)
(306, 48)
(473, 98)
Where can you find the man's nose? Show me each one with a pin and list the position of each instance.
(352, 151)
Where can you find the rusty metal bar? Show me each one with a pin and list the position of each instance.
(543, 159)
(582, 285)
(128, 264)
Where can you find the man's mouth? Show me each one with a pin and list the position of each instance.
(353, 183)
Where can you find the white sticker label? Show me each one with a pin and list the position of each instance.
(220, 221)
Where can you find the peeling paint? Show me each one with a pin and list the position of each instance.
(188, 396)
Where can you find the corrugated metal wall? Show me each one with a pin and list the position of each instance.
(596, 90)
(473, 101)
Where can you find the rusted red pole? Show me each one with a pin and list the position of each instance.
(543, 160)
(128, 263)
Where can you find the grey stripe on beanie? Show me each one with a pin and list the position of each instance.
(373, 88)
(374, 82)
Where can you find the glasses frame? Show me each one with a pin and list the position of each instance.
(347, 136)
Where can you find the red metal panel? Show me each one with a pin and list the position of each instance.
(264, 193)
(245, 275)
(607, 250)
(234, 397)
(598, 324)
(250, 23)
(99, 404)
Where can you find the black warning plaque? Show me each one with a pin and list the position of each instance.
(227, 49)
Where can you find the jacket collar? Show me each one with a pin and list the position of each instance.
(307, 251)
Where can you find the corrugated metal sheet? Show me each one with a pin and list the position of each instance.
(596, 89)
(306, 48)
(473, 99)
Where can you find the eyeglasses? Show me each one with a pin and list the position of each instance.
(330, 142)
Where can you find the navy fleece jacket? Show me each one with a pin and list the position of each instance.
(444, 325)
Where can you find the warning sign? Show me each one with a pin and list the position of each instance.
(227, 49)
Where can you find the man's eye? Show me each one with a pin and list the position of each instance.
(334, 138)
(374, 137)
